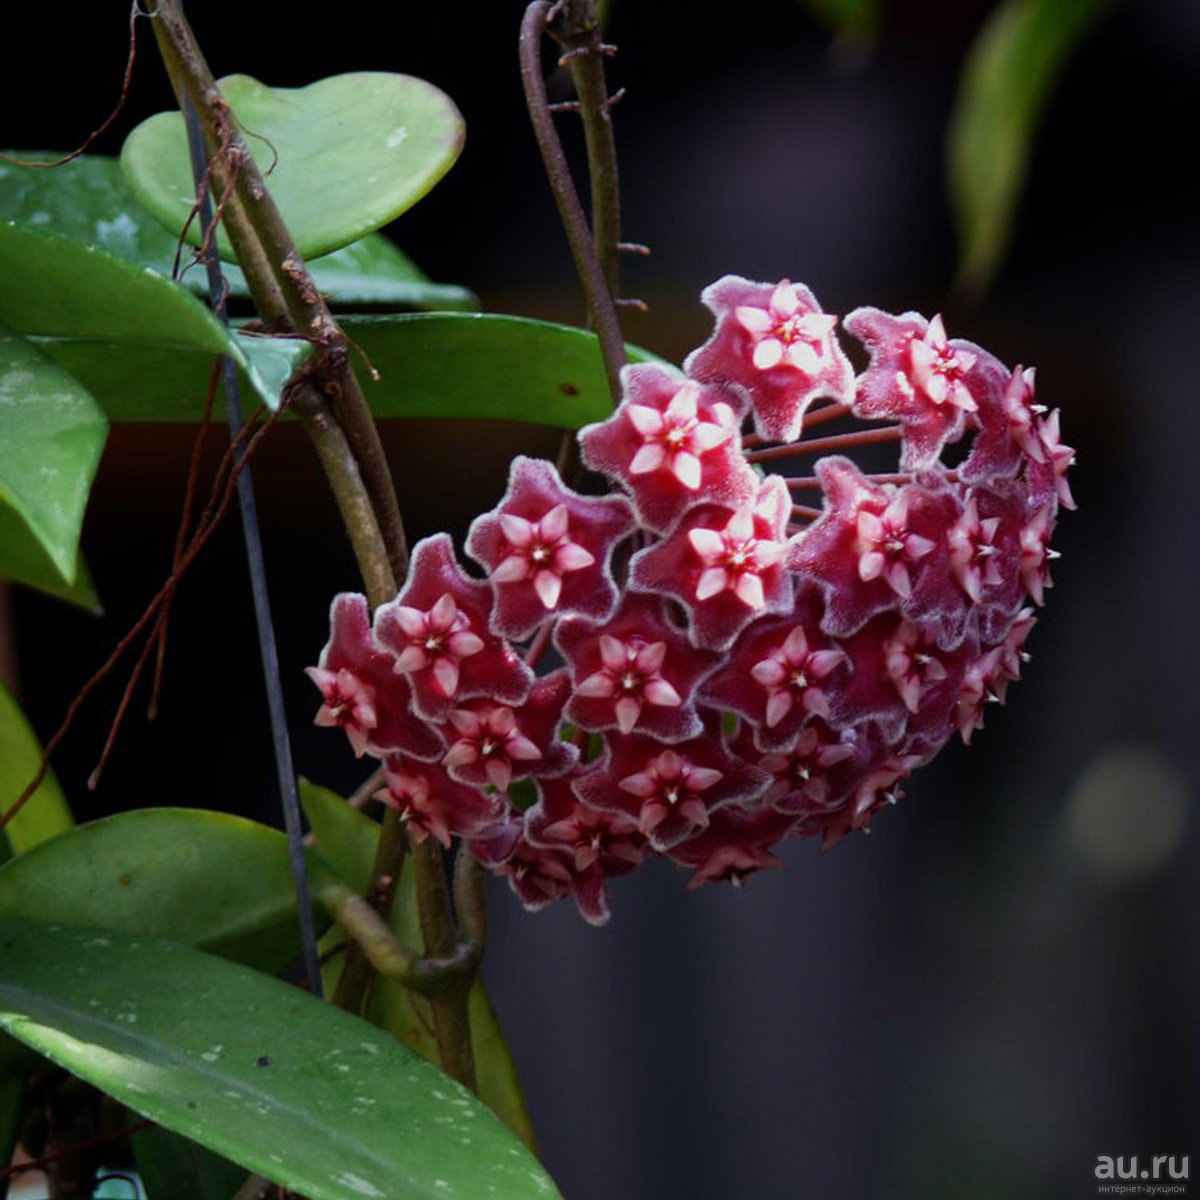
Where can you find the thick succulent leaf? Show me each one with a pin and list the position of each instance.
(56, 287)
(345, 155)
(345, 836)
(302, 1092)
(474, 365)
(1008, 76)
(456, 365)
(24, 560)
(172, 1167)
(89, 200)
(12, 1106)
(348, 840)
(134, 382)
(51, 436)
(206, 879)
(46, 813)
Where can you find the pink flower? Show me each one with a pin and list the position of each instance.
(636, 671)
(492, 743)
(669, 791)
(672, 443)
(880, 547)
(740, 668)
(723, 565)
(360, 692)
(918, 377)
(736, 843)
(780, 672)
(773, 341)
(547, 549)
(438, 629)
(602, 845)
(433, 804)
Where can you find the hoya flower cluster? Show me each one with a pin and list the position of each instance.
(734, 668)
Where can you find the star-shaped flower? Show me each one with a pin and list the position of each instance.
(672, 443)
(669, 791)
(774, 341)
(780, 672)
(434, 805)
(724, 565)
(438, 629)
(636, 671)
(547, 549)
(917, 376)
(493, 743)
(361, 693)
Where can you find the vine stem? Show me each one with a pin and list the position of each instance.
(276, 271)
(601, 304)
(288, 300)
(576, 27)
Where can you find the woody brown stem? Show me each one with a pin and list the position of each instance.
(600, 303)
(346, 438)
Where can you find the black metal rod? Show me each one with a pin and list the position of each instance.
(284, 768)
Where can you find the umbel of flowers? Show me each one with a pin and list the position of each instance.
(735, 668)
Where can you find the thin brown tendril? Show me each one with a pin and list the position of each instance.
(231, 466)
(185, 519)
(101, 1139)
(134, 12)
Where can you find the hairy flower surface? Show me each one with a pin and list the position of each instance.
(723, 665)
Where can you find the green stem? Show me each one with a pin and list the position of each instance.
(280, 282)
(451, 1018)
(268, 245)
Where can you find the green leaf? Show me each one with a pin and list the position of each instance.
(348, 838)
(473, 365)
(302, 1092)
(343, 156)
(1008, 76)
(460, 365)
(24, 560)
(89, 200)
(56, 287)
(166, 383)
(51, 436)
(46, 813)
(12, 1108)
(344, 835)
(206, 879)
(172, 1167)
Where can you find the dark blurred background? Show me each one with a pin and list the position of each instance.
(1002, 982)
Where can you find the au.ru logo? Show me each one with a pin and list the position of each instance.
(1160, 1167)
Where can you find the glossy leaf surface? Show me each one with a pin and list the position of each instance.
(345, 155)
(46, 813)
(484, 365)
(206, 879)
(56, 287)
(89, 200)
(300, 1091)
(166, 383)
(51, 436)
(348, 839)
(1009, 74)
